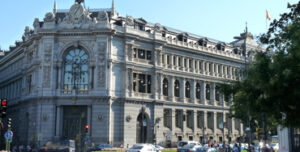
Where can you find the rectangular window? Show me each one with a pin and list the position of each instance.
(167, 118)
(178, 118)
(210, 120)
(189, 117)
(142, 83)
(148, 83)
(134, 82)
(174, 60)
(29, 80)
(168, 59)
(141, 54)
(163, 59)
(185, 62)
(190, 63)
(200, 119)
(135, 53)
(179, 61)
(149, 55)
(220, 120)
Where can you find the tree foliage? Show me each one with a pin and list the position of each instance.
(272, 82)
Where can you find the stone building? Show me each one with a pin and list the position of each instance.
(131, 81)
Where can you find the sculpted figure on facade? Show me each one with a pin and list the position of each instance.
(130, 21)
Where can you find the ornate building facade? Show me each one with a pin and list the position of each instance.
(129, 80)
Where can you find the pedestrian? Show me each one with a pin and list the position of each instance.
(21, 147)
(28, 148)
(235, 148)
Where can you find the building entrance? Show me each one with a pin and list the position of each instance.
(142, 128)
(74, 121)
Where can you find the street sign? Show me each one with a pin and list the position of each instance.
(8, 135)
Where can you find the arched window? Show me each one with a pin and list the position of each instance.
(217, 93)
(176, 88)
(165, 87)
(207, 92)
(198, 91)
(187, 90)
(76, 70)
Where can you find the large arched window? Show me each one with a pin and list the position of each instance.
(165, 87)
(198, 91)
(187, 90)
(207, 92)
(76, 70)
(176, 88)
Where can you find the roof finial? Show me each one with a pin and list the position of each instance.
(54, 7)
(246, 27)
(79, 1)
(113, 8)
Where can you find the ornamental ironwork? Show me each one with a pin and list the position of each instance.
(76, 70)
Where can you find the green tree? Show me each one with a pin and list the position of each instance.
(271, 86)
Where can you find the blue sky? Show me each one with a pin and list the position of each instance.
(217, 19)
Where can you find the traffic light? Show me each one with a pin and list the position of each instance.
(87, 128)
(3, 108)
(9, 123)
(259, 133)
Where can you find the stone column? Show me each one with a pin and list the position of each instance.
(159, 85)
(173, 125)
(197, 66)
(212, 93)
(166, 60)
(221, 70)
(225, 71)
(193, 91)
(217, 70)
(130, 82)
(215, 123)
(205, 121)
(58, 121)
(192, 65)
(207, 68)
(212, 69)
(233, 73)
(182, 63)
(154, 85)
(171, 61)
(171, 88)
(195, 121)
(182, 89)
(203, 92)
(203, 67)
(176, 62)
(230, 73)
(233, 125)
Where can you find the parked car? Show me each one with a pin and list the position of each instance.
(101, 147)
(182, 143)
(59, 146)
(143, 148)
(189, 148)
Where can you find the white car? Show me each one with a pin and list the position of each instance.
(180, 144)
(143, 148)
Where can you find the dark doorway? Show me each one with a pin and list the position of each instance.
(74, 121)
(142, 128)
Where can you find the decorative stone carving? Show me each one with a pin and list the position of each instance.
(102, 16)
(158, 27)
(46, 76)
(78, 17)
(36, 23)
(129, 21)
(49, 17)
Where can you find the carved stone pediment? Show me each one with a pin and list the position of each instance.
(78, 17)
